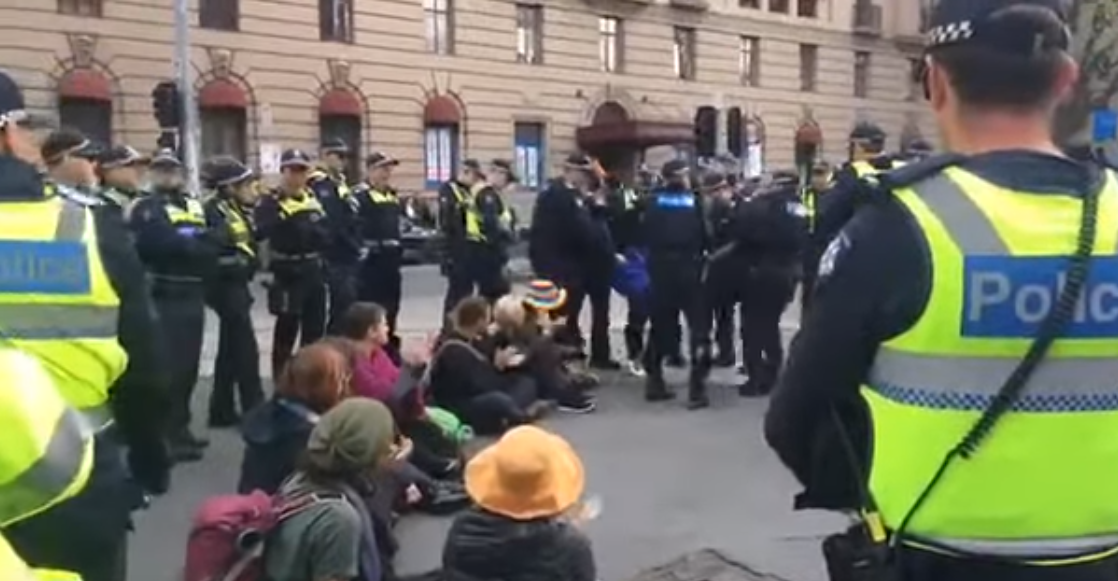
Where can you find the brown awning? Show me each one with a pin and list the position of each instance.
(633, 135)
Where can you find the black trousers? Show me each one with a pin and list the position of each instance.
(677, 288)
(300, 315)
(724, 324)
(477, 268)
(381, 282)
(493, 412)
(636, 323)
(341, 283)
(237, 367)
(599, 294)
(766, 297)
(181, 309)
(86, 534)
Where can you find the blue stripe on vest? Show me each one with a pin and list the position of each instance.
(1009, 296)
(39, 267)
(675, 201)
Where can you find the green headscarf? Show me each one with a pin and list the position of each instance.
(355, 435)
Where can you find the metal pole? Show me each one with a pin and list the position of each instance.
(187, 132)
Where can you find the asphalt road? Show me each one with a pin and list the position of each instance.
(671, 481)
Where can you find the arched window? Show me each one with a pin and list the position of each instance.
(441, 140)
(223, 112)
(85, 103)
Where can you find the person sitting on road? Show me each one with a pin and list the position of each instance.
(524, 524)
(543, 361)
(541, 303)
(471, 385)
(401, 389)
(336, 538)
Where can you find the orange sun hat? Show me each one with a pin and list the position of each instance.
(529, 473)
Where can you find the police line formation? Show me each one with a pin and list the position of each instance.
(959, 308)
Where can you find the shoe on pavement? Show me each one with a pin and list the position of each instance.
(677, 360)
(725, 360)
(181, 453)
(635, 368)
(218, 421)
(578, 405)
(656, 390)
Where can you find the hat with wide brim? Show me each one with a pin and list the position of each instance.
(529, 473)
(544, 295)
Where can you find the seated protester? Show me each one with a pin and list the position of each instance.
(276, 432)
(541, 302)
(524, 526)
(335, 538)
(471, 385)
(543, 361)
(377, 377)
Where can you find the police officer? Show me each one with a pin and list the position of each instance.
(722, 282)
(71, 160)
(80, 335)
(229, 214)
(380, 210)
(180, 253)
(455, 201)
(819, 183)
(120, 170)
(490, 231)
(771, 231)
(917, 150)
(626, 207)
(294, 224)
(934, 307)
(344, 253)
(675, 231)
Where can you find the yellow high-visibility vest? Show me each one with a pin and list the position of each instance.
(865, 168)
(306, 202)
(47, 453)
(239, 227)
(1042, 484)
(13, 568)
(193, 215)
(382, 197)
(468, 201)
(57, 302)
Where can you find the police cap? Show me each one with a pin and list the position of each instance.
(867, 132)
(335, 145)
(998, 24)
(120, 156)
(504, 165)
(674, 169)
(295, 159)
(165, 159)
(226, 171)
(13, 109)
(72, 142)
(474, 166)
(380, 159)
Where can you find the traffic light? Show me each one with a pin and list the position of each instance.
(735, 141)
(166, 104)
(706, 131)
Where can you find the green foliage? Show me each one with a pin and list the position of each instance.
(1095, 44)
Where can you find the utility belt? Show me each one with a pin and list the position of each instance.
(304, 257)
(382, 245)
(176, 279)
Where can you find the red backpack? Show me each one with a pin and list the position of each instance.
(228, 534)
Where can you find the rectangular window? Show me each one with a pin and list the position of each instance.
(609, 43)
(529, 34)
(335, 20)
(809, 64)
(749, 61)
(224, 132)
(94, 118)
(219, 14)
(862, 65)
(531, 156)
(684, 52)
(807, 8)
(754, 4)
(348, 129)
(779, 6)
(440, 154)
(91, 8)
(438, 21)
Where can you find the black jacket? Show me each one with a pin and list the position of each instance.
(341, 215)
(165, 251)
(483, 546)
(564, 237)
(275, 434)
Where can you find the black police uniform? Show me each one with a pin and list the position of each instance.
(490, 255)
(675, 231)
(88, 533)
(380, 211)
(343, 256)
(295, 228)
(237, 367)
(475, 260)
(180, 254)
(120, 196)
(626, 207)
(455, 258)
(874, 283)
(770, 229)
(723, 279)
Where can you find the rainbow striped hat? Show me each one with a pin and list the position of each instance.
(544, 295)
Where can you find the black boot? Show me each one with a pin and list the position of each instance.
(754, 388)
(180, 451)
(697, 394)
(656, 390)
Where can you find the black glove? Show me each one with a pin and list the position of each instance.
(150, 464)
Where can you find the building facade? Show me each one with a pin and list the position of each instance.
(432, 81)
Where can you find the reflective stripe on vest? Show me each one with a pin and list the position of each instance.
(194, 214)
(290, 206)
(56, 301)
(239, 227)
(47, 454)
(379, 197)
(1042, 483)
(865, 168)
(474, 219)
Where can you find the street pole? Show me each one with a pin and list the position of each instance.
(187, 135)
